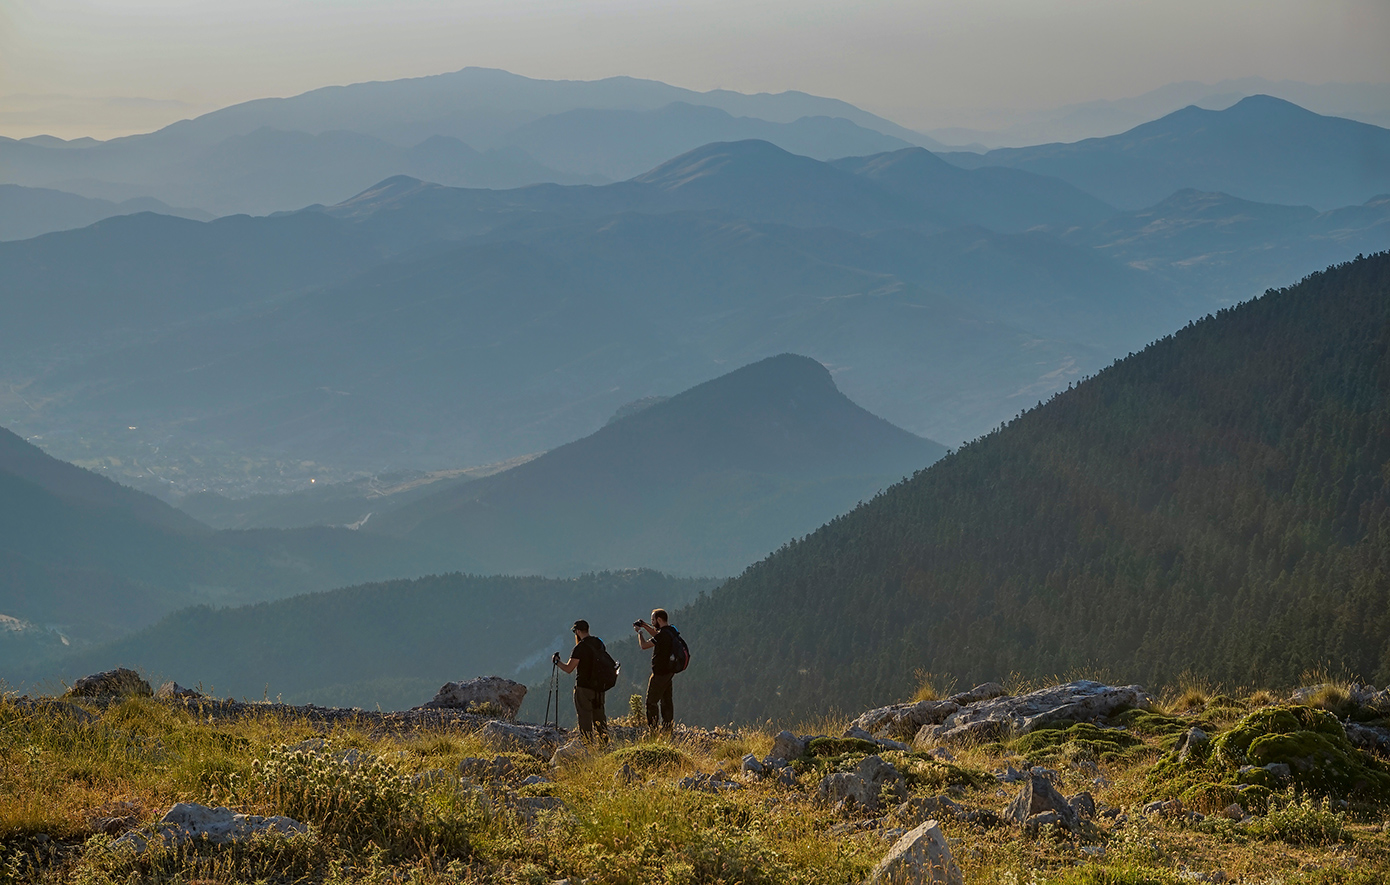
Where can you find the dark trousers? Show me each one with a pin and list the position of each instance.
(659, 697)
(588, 707)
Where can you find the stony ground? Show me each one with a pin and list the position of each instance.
(1193, 787)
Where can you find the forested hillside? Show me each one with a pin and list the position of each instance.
(1219, 504)
(390, 644)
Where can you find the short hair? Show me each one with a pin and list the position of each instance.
(581, 624)
(659, 614)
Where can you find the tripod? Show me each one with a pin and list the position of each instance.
(553, 694)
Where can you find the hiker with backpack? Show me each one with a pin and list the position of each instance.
(598, 672)
(670, 657)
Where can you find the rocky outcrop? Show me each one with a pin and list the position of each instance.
(902, 720)
(187, 821)
(55, 709)
(1039, 804)
(864, 787)
(172, 691)
(1082, 701)
(920, 856)
(117, 683)
(490, 695)
(537, 740)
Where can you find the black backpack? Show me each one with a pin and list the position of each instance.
(680, 652)
(606, 670)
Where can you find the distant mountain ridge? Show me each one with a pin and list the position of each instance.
(28, 212)
(1217, 504)
(475, 127)
(1261, 148)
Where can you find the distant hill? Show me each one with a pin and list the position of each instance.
(29, 211)
(620, 144)
(703, 483)
(89, 559)
(1261, 148)
(391, 644)
(1217, 504)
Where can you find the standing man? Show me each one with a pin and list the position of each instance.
(663, 668)
(588, 697)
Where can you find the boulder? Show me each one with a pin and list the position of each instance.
(1084, 804)
(572, 751)
(987, 691)
(920, 856)
(1082, 701)
(530, 808)
(119, 682)
(537, 740)
(863, 787)
(1194, 744)
(1368, 737)
(187, 821)
(716, 782)
(480, 694)
(55, 709)
(1038, 796)
(902, 719)
(788, 746)
(172, 691)
(753, 766)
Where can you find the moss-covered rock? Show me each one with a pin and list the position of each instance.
(828, 746)
(1157, 724)
(1080, 739)
(1273, 749)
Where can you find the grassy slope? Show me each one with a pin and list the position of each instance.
(138, 757)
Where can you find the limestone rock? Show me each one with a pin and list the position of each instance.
(863, 787)
(902, 719)
(987, 691)
(753, 766)
(537, 740)
(716, 782)
(1038, 796)
(1194, 744)
(55, 709)
(569, 752)
(187, 821)
(1083, 701)
(172, 691)
(530, 808)
(485, 691)
(1084, 804)
(119, 682)
(788, 746)
(921, 856)
(1368, 737)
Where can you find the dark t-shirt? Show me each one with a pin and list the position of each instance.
(585, 653)
(664, 651)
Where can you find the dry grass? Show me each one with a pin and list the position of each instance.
(58, 778)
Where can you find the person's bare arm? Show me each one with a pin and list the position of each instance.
(568, 666)
(643, 641)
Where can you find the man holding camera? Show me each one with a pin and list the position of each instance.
(663, 668)
(588, 697)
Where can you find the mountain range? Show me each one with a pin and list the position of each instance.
(1215, 505)
(945, 300)
(1261, 148)
(475, 127)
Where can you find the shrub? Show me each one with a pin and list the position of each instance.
(648, 758)
(1300, 821)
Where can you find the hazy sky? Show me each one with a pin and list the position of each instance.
(907, 59)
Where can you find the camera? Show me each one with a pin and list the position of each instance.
(636, 623)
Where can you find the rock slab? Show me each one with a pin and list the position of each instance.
(119, 682)
(1083, 701)
(921, 856)
(187, 821)
(503, 694)
(864, 787)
